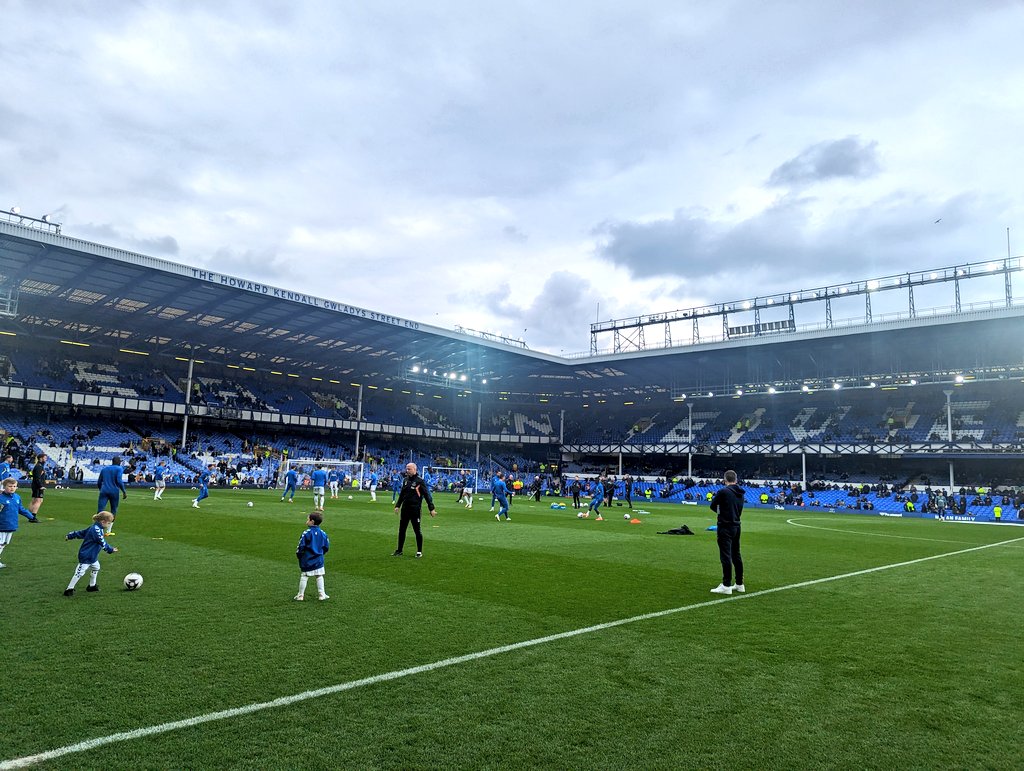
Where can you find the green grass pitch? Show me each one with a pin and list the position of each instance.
(914, 666)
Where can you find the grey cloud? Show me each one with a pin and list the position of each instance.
(160, 246)
(265, 263)
(782, 244)
(847, 157)
(512, 233)
(561, 312)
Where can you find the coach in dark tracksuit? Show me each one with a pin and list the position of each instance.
(410, 502)
(728, 504)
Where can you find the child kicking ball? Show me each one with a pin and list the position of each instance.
(88, 554)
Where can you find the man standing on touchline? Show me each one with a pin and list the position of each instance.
(409, 504)
(728, 504)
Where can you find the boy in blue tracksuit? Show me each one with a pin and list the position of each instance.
(494, 488)
(291, 480)
(313, 545)
(500, 492)
(88, 554)
(204, 486)
(396, 485)
(10, 508)
(373, 486)
(597, 500)
(112, 490)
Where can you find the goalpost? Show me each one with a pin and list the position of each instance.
(443, 478)
(349, 470)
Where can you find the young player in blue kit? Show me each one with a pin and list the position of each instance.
(318, 480)
(159, 474)
(204, 486)
(10, 509)
(500, 493)
(597, 500)
(291, 480)
(89, 552)
(112, 490)
(333, 477)
(373, 486)
(313, 545)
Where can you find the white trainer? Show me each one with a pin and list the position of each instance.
(324, 597)
(298, 598)
(739, 588)
(722, 589)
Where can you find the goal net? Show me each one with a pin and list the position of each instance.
(448, 479)
(350, 472)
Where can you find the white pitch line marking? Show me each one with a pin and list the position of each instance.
(797, 523)
(284, 701)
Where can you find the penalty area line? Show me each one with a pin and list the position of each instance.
(285, 701)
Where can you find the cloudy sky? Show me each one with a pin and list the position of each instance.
(526, 167)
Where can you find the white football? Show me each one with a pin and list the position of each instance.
(249, 504)
(579, 515)
(132, 581)
(626, 516)
(350, 497)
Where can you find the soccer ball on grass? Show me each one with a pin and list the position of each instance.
(626, 516)
(249, 504)
(132, 581)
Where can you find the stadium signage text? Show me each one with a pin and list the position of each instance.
(298, 297)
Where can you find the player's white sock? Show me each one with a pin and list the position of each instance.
(2, 545)
(373, 496)
(93, 575)
(303, 580)
(320, 586)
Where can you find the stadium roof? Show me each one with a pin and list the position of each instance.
(65, 289)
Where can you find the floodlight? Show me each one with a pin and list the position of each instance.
(872, 384)
(771, 389)
(739, 392)
(463, 377)
(415, 368)
(805, 389)
(958, 379)
(836, 386)
(913, 381)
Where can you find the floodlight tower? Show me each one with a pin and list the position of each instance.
(949, 432)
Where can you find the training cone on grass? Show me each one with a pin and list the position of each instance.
(634, 521)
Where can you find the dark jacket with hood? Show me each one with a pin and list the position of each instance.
(728, 504)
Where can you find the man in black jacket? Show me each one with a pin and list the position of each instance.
(728, 504)
(409, 503)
